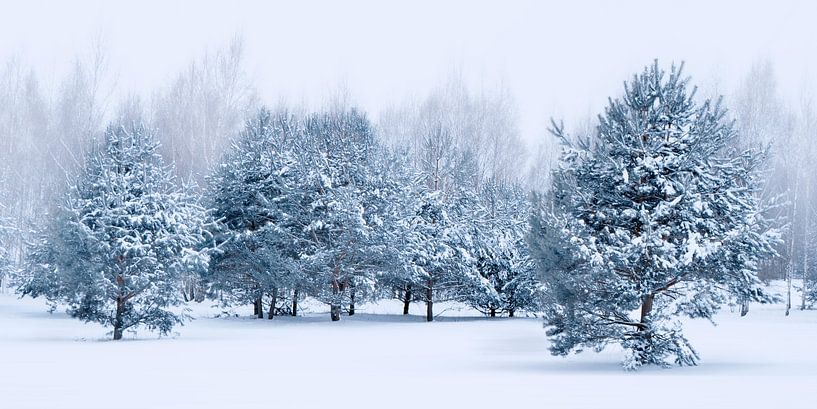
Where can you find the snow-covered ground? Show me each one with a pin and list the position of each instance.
(763, 360)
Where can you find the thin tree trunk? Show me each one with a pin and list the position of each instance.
(407, 300)
(430, 301)
(294, 303)
(788, 291)
(117, 322)
(806, 237)
(334, 309)
(273, 302)
(805, 277)
(744, 308)
(493, 312)
(510, 313)
(790, 268)
(352, 301)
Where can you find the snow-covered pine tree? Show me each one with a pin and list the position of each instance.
(438, 237)
(508, 281)
(343, 256)
(386, 200)
(400, 188)
(653, 217)
(254, 196)
(121, 240)
(438, 248)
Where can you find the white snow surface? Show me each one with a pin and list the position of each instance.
(378, 359)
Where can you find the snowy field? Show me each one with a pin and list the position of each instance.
(763, 360)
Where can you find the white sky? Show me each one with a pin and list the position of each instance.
(560, 59)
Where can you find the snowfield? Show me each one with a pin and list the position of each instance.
(377, 360)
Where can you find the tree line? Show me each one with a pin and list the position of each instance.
(665, 208)
(300, 206)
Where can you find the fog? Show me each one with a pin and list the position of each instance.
(467, 85)
(559, 59)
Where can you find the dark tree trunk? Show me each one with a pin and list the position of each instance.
(334, 309)
(744, 308)
(118, 319)
(273, 302)
(259, 308)
(407, 300)
(430, 302)
(646, 308)
(493, 312)
(352, 302)
(295, 303)
(510, 313)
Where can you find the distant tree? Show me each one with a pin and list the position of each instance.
(121, 240)
(454, 123)
(6, 264)
(45, 135)
(202, 108)
(652, 217)
(802, 152)
(764, 121)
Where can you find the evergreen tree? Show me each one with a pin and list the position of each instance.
(342, 256)
(438, 251)
(652, 217)
(121, 240)
(399, 189)
(502, 259)
(254, 195)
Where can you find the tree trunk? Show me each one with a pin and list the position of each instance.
(352, 301)
(117, 322)
(493, 312)
(259, 308)
(744, 308)
(295, 303)
(407, 300)
(510, 313)
(805, 277)
(272, 302)
(790, 268)
(334, 309)
(430, 302)
(789, 272)
(646, 308)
